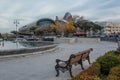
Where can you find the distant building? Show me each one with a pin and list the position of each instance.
(110, 27)
(77, 18)
(39, 23)
(44, 24)
(68, 16)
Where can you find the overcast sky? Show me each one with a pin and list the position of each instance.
(28, 11)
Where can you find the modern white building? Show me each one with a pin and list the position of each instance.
(110, 27)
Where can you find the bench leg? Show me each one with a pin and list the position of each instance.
(88, 60)
(80, 62)
(57, 70)
(82, 66)
(70, 71)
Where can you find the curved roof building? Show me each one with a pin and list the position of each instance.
(44, 21)
(39, 23)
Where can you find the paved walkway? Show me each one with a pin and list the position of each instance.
(41, 66)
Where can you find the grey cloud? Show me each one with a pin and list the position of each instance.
(31, 10)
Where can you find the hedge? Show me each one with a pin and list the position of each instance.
(114, 73)
(89, 74)
(107, 62)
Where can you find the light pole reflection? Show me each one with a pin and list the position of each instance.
(16, 22)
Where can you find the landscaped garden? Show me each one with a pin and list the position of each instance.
(106, 67)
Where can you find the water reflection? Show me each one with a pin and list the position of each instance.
(2, 43)
(8, 45)
(33, 44)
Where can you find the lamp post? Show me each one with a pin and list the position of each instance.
(16, 22)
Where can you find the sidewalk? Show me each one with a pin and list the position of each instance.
(41, 66)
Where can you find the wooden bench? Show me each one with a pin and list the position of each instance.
(76, 58)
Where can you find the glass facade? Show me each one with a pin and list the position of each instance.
(44, 22)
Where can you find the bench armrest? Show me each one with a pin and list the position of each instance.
(58, 60)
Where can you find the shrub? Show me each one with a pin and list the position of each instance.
(107, 62)
(93, 70)
(85, 77)
(89, 74)
(118, 49)
(110, 53)
(102, 67)
(116, 52)
(114, 73)
(102, 77)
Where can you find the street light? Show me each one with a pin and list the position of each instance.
(16, 22)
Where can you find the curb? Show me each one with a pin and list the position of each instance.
(26, 54)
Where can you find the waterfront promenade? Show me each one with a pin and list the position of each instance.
(41, 66)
